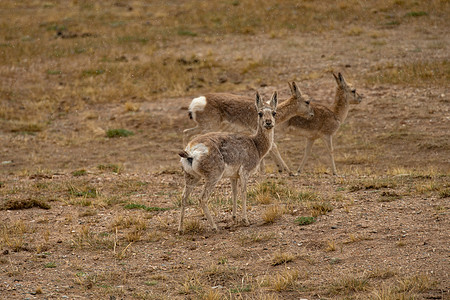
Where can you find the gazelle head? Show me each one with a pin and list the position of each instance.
(303, 108)
(349, 92)
(266, 111)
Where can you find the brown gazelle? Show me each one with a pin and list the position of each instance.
(218, 155)
(326, 121)
(217, 110)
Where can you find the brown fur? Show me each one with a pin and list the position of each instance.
(217, 154)
(326, 121)
(223, 108)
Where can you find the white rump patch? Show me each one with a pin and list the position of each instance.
(197, 104)
(194, 151)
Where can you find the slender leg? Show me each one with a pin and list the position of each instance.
(209, 186)
(282, 166)
(234, 190)
(329, 143)
(309, 144)
(262, 167)
(244, 198)
(190, 183)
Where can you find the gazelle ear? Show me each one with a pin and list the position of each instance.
(341, 78)
(295, 90)
(291, 88)
(274, 100)
(259, 102)
(336, 78)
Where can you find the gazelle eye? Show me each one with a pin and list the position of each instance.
(354, 91)
(274, 113)
(307, 102)
(260, 114)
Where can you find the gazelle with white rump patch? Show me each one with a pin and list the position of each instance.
(216, 110)
(326, 121)
(218, 155)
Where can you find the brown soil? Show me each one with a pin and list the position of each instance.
(389, 222)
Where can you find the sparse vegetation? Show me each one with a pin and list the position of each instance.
(102, 211)
(305, 220)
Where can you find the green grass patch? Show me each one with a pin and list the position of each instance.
(87, 191)
(115, 133)
(78, 173)
(417, 14)
(144, 207)
(305, 220)
(443, 194)
(110, 167)
(185, 32)
(91, 72)
(50, 265)
(54, 72)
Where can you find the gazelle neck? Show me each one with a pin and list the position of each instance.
(340, 105)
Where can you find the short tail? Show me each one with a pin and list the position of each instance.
(190, 115)
(184, 154)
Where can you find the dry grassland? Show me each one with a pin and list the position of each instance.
(93, 102)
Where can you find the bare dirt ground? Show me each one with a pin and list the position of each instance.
(102, 215)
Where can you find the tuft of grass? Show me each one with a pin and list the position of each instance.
(115, 133)
(415, 283)
(147, 208)
(353, 238)
(84, 191)
(283, 281)
(17, 204)
(389, 197)
(247, 239)
(349, 284)
(442, 194)
(304, 220)
(27, 128)
(272, 213)
(129, 106)
(193, 226)
(320, 208)
(279, 258)
(331, 246)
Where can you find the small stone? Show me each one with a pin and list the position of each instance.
(334, 227)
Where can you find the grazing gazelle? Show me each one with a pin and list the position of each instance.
(326, 121)
(216, 110)
(216, 155)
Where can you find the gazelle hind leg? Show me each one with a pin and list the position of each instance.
(209, 186)
(276, 156)
(309, 144)
(234, 182)
(190, 183)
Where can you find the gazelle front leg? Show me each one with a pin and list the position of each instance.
(328, 139)
(234, 191)
(244, 178)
